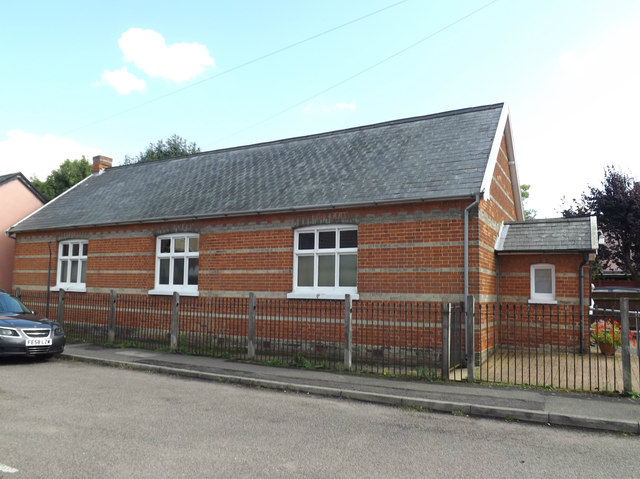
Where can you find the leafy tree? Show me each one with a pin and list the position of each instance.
(617, 206)
(172, 147)
(524, 193)
(68, 174)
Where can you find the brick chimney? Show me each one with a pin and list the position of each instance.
(100, 162)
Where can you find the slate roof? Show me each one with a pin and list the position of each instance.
(549, 235)
(430, 157)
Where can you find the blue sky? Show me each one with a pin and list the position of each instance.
(87, 78)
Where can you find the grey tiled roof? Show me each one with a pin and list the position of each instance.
(430, 157)
(549, 235)
(10, 177)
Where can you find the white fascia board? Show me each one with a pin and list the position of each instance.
(48, 203)
(502, 234)
(503, 129)
(593, 223)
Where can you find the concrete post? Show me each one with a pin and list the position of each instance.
(111, 331)
(175, 330)
(347, 332)
(19, 293)
(469, 310)
(251, 340)
(626, 356)
(60, 317)
(446, 340)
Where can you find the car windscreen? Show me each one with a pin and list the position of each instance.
(11, 305)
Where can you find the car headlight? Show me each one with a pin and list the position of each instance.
(57, 331)
(8, 332)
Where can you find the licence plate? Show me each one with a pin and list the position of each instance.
(39, 342)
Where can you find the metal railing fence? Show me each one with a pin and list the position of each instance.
(545, 346)
(537, 345)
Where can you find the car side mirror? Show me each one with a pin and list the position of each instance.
(33, 311)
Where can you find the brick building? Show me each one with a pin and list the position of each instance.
(406, 210)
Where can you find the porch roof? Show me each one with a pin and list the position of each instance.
(549, 235)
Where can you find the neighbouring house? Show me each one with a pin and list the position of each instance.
(18, 198)
(423, 209)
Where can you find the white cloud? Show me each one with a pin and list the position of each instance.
(123, 81)
(585, 120)
(36, 155)
(178, 62)
(338, 107)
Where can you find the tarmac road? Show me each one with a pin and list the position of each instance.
(67, 419)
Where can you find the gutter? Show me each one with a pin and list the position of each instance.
(280, 210)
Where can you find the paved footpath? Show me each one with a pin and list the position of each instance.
(590, 411)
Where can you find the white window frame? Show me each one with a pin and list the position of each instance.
(542, 298)
(68, 283)
(184, 289)
(315, 291)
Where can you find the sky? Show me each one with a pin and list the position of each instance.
(109, 78)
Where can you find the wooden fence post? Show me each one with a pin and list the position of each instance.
(175, 330)
(60, 317)
(251, 340)
(446, 340)
(347, 332)
(111, 331)
(469, 311)
(626, 357)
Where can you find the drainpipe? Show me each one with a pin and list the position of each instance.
(466, 245)
(585, 260)
(468, 320)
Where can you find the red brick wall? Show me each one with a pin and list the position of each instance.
(406, 252)
(515, 285)
(499, 208)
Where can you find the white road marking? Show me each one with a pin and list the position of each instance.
(5, 468)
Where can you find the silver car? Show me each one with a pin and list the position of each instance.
(23, 333)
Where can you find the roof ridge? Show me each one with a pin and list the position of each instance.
(371, 126)
(549, 220)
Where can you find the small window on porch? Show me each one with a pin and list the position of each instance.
(543, 283)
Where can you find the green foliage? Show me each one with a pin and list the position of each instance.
(68, 174)
(171, 148)
(524, 193)
(300, 361)
(616, 204)
(274, 362)
(429, 375)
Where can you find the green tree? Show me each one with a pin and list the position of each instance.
(68, 174)
(524, 193)
(616, 204)
(172, 147)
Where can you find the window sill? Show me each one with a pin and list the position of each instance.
(169, 292)
(542, 301)
(317, 295)
(70, 289)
